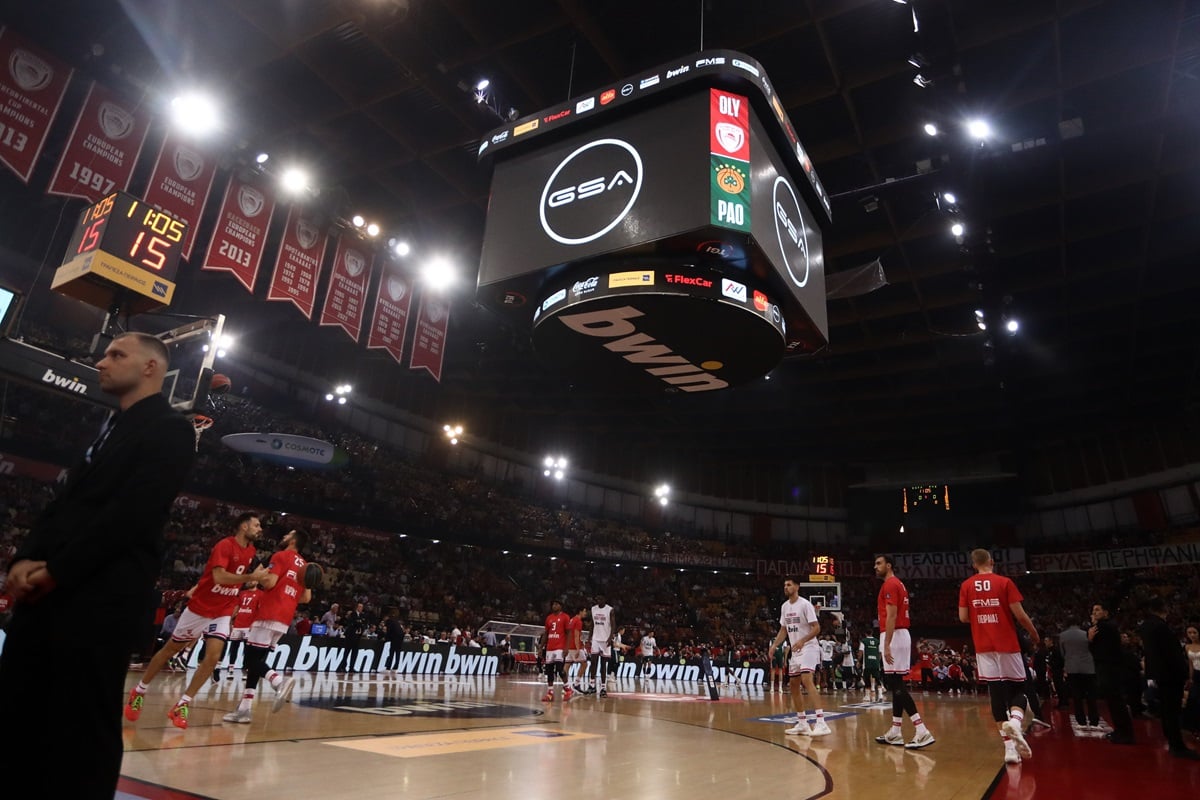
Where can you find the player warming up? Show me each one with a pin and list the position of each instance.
(897, 657)
(553, 651)
(798, 624)
(990, 602)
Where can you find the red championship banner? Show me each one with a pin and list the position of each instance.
(390, 321)
(182, 179)
(241, 232)
(298, 265)
(32, 88)
(430, 337)
(103, 148)
(347, 295)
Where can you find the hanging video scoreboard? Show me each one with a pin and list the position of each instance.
(122, 248)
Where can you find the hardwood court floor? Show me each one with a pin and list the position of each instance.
(379, 736)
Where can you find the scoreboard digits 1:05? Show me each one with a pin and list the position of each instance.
(137, 233)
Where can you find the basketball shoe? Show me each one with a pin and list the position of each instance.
(133, 706)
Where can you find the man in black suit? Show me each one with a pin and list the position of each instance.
(1104, 640)
(83, 582)
(1167, 666)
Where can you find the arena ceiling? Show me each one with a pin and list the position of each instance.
(1081, 210)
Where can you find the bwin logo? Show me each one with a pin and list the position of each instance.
(641, 350)
(66, 384)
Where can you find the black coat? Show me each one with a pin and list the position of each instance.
(1166, 662)
(101, 537)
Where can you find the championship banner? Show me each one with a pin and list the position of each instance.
(347, 294)
(298, 264)
(1166, 555)
(33, 89)
(103, 147)
(241, 233)
(390, 320)
(429, 343)
(182, 178)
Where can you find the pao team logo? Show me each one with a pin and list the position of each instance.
(30, 72)
(591, 191)
(396, 289)
(791, 232)
(355, 263)
(251, 201)
(116, 122)
(188, 163)
(306, 234)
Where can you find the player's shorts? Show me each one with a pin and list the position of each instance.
(554, 656)
(778, 661)
(239, 634)
(872, 668)
(605, 651)
(265, 633)
(901, 647)
(1000, 667)
(192, 626)
(576, 656)
(803, 660)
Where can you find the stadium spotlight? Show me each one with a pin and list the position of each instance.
(358, 220)
(482, 85)
(293, 180)
(979, 129)
(452, 432)
(1012, 326)
(262, 158)
(401, 248)
(950, 198)
(438, 273)
(555, 466)
(931, 129)
(663, 493)
(373, 229)
(957, 229)
(195, 112)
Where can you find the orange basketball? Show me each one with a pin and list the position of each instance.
(220, 384)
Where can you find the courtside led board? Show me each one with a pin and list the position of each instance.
(124, 252)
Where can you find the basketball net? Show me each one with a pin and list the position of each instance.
(201, 423)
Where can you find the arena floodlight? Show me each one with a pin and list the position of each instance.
(195, 112)
(957, 229)
(1012, 326)
(262, 158)
(950, 198)
(979, 129)
(373, 229)
(483, 84)
(931, 129)
(401, 248)
(293, 180)
(358, 220)
(438, 273)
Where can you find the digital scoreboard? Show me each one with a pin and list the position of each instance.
(822, 570)
(123, 252)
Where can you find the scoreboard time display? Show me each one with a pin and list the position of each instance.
(122, 247)
(932, 497)
(822, 570)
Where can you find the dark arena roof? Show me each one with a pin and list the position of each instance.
(1079, 213)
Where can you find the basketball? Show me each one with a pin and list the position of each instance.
(314, 575)
(220, 384)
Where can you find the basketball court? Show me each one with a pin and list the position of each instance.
(379, 736)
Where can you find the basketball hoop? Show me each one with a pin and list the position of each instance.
(201, 423)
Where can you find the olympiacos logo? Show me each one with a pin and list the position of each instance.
(115, 121)
(436, 311)
(354, 262)
(396, 289)
(730, 136)
(251, 201)
(30, 72)
(306, 233)
(188, 163)
(591, 191)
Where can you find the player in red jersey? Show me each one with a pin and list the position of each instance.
(990, 602)
(576, 650)
(207, 615)
(246, 611)
(554, 649)
(283, 590)
(897, 657)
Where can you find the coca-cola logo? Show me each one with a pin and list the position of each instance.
(188, 163)
(30, 72)
(251, 201)
(116, 122)
(585, 287)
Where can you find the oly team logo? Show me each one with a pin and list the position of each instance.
(116, 122)
(306, 234)
(188, 163)
(591, 191)
(731, 137)
(30, 72)
(791, 232)
(355, 263)
(251, 201)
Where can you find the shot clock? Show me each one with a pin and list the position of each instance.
(821, 570)
(123, 252)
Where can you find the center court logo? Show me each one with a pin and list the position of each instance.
(591, 191)
(791, 232)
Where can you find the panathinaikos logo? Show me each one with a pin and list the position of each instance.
(730, 193)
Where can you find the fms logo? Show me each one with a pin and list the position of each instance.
(791, 232)
(591, 191)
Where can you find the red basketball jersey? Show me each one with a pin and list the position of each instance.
(556, 631)
(279, 604)
(987, 598)
(575, 633)
(247, 608)
(893, 593)
(211, 600)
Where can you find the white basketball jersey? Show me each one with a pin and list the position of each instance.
(601, 624)
(800, 619)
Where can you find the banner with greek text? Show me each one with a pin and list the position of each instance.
(241, 231)
(103, 147)
(298, 264)
(32, 87)
(346, 297)
(429, 340)
(1165, 555)
(390, 320)
(182, 179)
